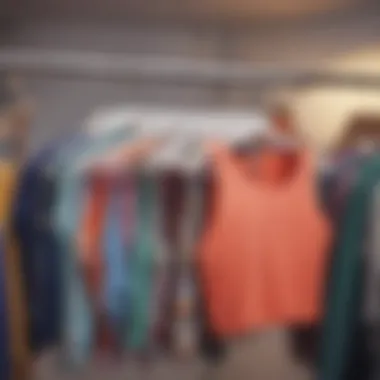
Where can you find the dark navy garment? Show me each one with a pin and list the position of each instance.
(39, 250)
(5, 366)
(24, 228)
(46, 267)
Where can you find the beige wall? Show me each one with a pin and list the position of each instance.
(322, 112)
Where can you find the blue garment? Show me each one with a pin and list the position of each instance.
(78, 323)
(116, 285)
(5, 364)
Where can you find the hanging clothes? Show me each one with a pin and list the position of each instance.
(77, 324)
(158, 342)
(343, 317)
(252, 253)
(19, 349)
(112, 269)
(371, 274)
(338, 182)
(211, 346)
(36, 239)
(372, 262)
(24, 232)
(118, 245)
(141, 265)
(91, 255)
(34, 230)
(172, 188)
(5, 359)
(186, 320)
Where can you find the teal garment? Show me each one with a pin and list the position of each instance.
(141, 265)
(77, 330)
(77, 322)
(344, 293)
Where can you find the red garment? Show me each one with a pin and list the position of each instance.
(90, 247)
(263, 253)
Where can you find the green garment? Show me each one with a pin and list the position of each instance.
(141, 264)
(344, 293)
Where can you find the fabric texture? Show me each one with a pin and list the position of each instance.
(46, 299)
(337, 183)
(15, 297)
(91, 252)
(341, 329)
(172, 196)
(372, 262)
(35, 235)
(186, 322)
(5, 357)
(256, 288)
(117, 247)
(141, 266)
(77, 325)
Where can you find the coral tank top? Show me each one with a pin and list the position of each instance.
(264, 249)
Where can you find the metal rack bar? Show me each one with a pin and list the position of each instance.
(171, 70)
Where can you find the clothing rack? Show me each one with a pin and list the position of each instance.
(186, 120)
(116, 67)
(60, 198)
(185, 130)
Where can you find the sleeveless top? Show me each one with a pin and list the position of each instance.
(263, 251)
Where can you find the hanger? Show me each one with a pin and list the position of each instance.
(273, 139)
(192, 157)
(104, 120)
(168, 157)
(128, 155)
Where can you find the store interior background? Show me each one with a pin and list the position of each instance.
(343, 35)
